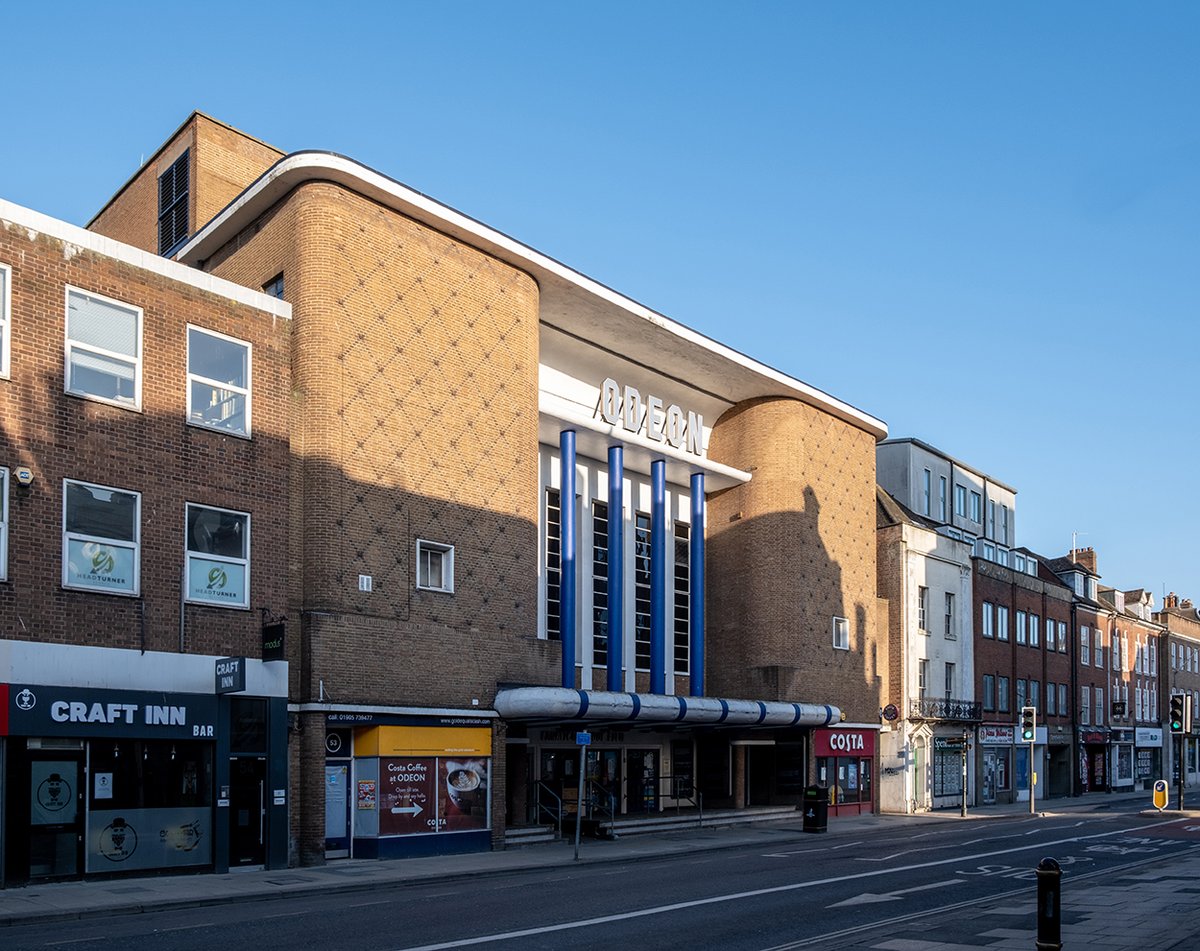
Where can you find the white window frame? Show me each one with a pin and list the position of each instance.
(949, 615)
(1022, 627)
(5, 321)
(989, 620)
(923, 609)
(136, 544)
(189, 555)
(841, 634)
(4, 484)
(69, 347)
(424, 546)
(246, 392)
(1002, 622)
(1085, 705)
(1085, 646)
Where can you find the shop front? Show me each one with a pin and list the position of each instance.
(1093, 760)
(995, 764)
(116, 780)
(1147, 756)
(951, 755)
(400, 785)
(1120, 766)
(845, 761)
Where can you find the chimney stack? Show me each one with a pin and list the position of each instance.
(1086, 558)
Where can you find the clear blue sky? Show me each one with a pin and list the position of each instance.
(978, 222)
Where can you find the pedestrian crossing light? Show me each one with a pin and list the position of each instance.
(1028, 724)
(1179, 716)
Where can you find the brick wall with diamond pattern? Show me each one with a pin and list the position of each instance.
(807, 522)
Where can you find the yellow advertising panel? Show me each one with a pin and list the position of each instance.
(423, 741)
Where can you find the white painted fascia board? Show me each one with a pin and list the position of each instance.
(35, 223)
(301, 167)
(114, 668)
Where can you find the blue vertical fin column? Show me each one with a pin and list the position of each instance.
(658, 576)
(567, 549)
(616, 568)
(696, 594)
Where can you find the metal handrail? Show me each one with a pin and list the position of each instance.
(556, 813)
(592, 788)
(683, 788)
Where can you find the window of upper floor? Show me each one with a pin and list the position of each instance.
(103, 349)
(101, 538)
(218, 382)
(173, 192)
(3, 523)
(841, 633)
(5, 320)
(976, 508)
(274, 286)
(435, 566)
(217, 554)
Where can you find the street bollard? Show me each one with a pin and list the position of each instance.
(1049, 905)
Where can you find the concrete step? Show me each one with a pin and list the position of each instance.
(723, 818)
(517, 836)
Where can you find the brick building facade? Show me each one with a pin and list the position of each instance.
(145, 438)
(438, 393)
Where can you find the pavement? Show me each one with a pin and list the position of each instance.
(87, 899)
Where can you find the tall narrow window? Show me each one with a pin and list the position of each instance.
(991, 525)
(1085, 705)
(104, 349)
(1002, 694)
(101, 538)
(1099, 706)
(3, 523)
(173, 205)
(5, 308)
(960, 500)
(1002, 622)
(1034, 634)
(641, 590)
(922, 678)
(553, 565)
(1085, 645)
(218, 557)
(600, 583)
(1063, 710)
(989, 692)
(1035, 695)
(942, 498)
(949, 680)
(976, 508)
(989, 620)
(218, 388)
(926, 492)
(949, 614)
(1004, 524)
(1051, 707)
(683, 590)
(1022, 627)
(1098, 650)
(923, 609)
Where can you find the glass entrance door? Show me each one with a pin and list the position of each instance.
(55, 817)
(248, 811)
(989, 777)
(641, 790)
(337, 810)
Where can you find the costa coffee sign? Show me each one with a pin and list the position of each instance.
(844, 743)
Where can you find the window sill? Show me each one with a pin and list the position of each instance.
(197, 424)
(217, 604)
(92, 398)
(107, 591)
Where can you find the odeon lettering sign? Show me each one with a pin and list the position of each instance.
(844, 743)
(647, 416)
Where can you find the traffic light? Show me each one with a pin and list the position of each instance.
(1028, 724)
(1178, 717)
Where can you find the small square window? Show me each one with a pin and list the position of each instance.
(218, 382)
(104, 349)
(435, 567)
(218, 557)
(841, 634)
(274, 286)
(101, 538)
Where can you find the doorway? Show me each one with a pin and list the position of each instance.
(337, 810)
(989, 777)
(641, 789)
(55, 816)
(248, 811)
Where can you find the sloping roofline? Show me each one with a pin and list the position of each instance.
(569, 299)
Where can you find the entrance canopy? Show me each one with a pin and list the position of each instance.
(533, 704)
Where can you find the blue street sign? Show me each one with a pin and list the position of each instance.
(583, 739)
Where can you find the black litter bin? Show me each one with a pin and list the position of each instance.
(816, 808)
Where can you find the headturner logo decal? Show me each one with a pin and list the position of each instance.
(217, 578)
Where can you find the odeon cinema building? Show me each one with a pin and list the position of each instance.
(532, 524)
